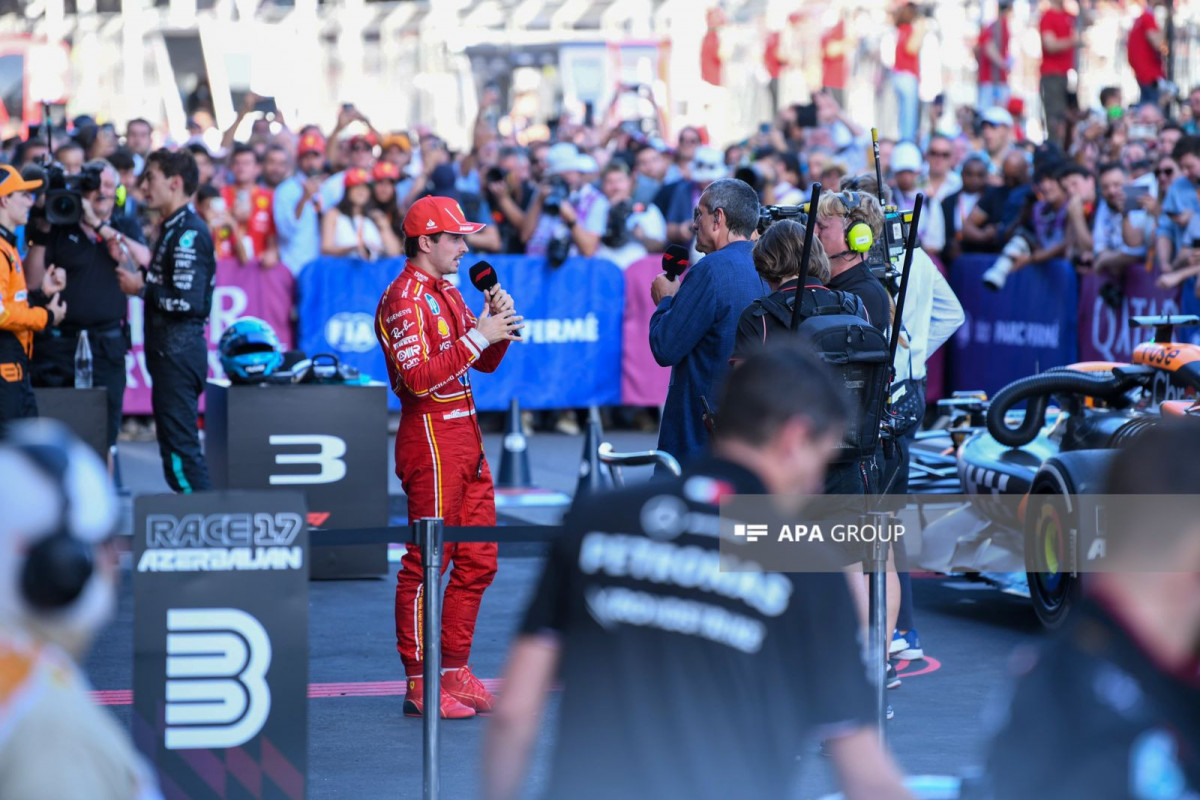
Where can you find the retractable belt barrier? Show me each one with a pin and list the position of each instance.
(407, 534)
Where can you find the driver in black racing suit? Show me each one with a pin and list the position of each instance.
(178, 289)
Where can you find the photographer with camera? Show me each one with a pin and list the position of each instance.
(507, 189)
(634, 229)
(22, 312)
(1040, 234)
(567, 216)
(94, 248)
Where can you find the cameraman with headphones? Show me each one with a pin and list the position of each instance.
(92, 252)
(848, 225)
(58, 585)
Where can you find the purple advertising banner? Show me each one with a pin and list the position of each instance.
(1107, 333)
(643, 381)
(242, 291)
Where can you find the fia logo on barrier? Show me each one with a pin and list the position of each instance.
(351, 332)
(217, 692)
(433, 304)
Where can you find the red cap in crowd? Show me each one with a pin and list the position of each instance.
(385, 171)
(431, 215)
(311, 143)
(357, 177)
(369, 138)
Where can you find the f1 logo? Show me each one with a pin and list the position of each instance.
(328, 458)
(217, 693)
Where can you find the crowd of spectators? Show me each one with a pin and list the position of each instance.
(1109, 188)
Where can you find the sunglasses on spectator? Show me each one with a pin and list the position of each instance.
(360, 148)
(1167, 172)
(940, 154)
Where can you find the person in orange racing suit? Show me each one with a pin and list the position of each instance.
(431, 341)
(21, 311)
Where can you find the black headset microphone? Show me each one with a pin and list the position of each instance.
(675, 261)
(484, 278)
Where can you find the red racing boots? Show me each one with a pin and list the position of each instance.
(463, 695)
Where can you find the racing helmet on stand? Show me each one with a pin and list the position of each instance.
(250, 351)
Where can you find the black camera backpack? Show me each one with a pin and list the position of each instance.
(836, 326)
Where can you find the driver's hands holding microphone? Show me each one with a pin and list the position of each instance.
(499, 321)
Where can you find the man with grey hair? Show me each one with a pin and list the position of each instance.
(694, 327)
(93, 252)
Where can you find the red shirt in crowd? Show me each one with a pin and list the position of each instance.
(710, 58)
(1062, 25)
(833, 67)
(906, 61)
(985, 63)
(1146, 60)
(261, 225)
(771, 55)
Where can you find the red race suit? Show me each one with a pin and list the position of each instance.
(430, 341)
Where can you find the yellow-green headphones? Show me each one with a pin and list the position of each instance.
(859, 238)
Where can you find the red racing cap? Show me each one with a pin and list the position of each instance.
(311, 143)
(385, 171)
(356, 177)
(431, 215)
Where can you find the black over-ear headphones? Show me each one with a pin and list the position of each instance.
(57, 567)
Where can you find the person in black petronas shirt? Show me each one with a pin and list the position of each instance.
(178, 289)
(1111, 707)
(681, 682)
(92, 252)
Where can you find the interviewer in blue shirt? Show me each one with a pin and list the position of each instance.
(694, 327)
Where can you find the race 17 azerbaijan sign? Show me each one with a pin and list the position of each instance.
(221, 643)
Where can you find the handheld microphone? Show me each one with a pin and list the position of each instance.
(484, 278)
(675, 261)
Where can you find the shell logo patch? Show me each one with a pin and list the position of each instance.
(443, 328)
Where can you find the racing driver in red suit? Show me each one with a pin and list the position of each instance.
(431, 341)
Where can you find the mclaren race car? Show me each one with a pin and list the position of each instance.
(1024, 469)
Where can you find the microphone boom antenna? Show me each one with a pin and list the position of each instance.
(806, 252)
(887, 236)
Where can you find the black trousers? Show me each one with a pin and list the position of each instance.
(17, 400)
(54, 366)
(178, 380)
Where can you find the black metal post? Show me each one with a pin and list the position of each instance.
(428, 534)
(813, 199)
(877, 633)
